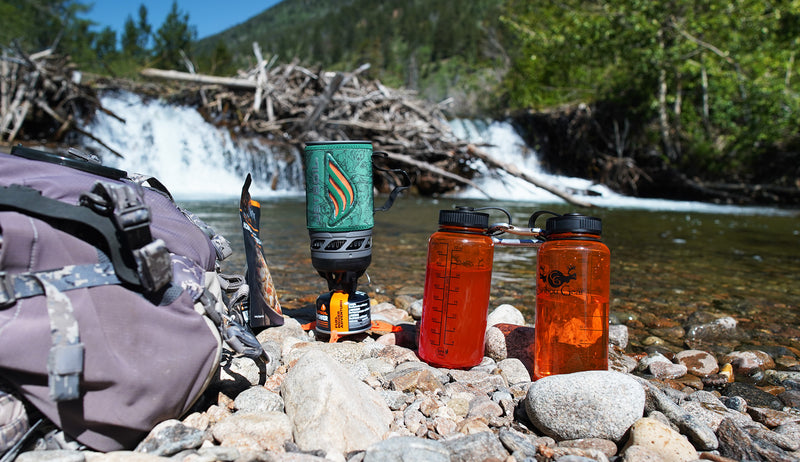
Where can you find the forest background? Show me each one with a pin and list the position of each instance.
(678, 99)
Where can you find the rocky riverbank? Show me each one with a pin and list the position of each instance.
(370, 398)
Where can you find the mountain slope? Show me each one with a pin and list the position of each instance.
(427, 45)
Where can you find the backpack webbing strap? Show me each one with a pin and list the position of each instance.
(24, 285)
(65, 361)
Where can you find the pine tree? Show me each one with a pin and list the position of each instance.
(173, 37)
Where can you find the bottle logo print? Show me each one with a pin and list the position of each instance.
(555, 278)
(340, 190)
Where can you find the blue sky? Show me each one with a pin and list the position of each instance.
(208, 16)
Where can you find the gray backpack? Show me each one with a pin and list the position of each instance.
(111, 311)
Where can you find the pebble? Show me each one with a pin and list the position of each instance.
(505, 314)
(670, 445)
(698, 363)
(374, 400)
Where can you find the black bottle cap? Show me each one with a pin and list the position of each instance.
(464, 216)
(573, 223)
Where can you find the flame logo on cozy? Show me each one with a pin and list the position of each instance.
(340, 190)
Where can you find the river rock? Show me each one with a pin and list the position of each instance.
(513, 371)
(255, 431)
(670, 445)
(698, 363)
(749, 363)
(170, 437)
(753, 395)
(723, 328)
(591, 404)
(700, 434)
(618, 335)
(517, 444)
(258, 399)
(505, 314)
(495, 344)
(607, 447)
(738, 444)
(519, 343)
(476, 448)
(667, 370)
(407, 448)
(330, 410)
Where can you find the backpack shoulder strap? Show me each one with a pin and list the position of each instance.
(119, 227)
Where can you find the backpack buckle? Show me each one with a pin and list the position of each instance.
(7, 297)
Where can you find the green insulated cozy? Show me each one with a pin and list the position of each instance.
(339, 186)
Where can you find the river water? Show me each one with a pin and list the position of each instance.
(665, 266)
(671, 261)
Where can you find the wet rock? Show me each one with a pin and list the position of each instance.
(791, 432)
(738, 444)
(170, 437)
(620, 362)
(407, 448)
(330, 410)
(789, 379)
(771, 417)
(505, 314)
(737, 403)
(476, 448)
(753, 395)
(783, 441)
(656, 357)
(592, 404)
(790, 398)
(717, 330)
(749, 364)
(662, 440)
(667, 370)
(699, 363)
(698, 432)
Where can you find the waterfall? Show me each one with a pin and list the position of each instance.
(193, 158)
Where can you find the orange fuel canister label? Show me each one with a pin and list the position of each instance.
(339, 315)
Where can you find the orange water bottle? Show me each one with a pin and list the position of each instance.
(572, 294)
(458, 277)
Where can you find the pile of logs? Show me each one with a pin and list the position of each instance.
(295, 104)
(284, 103)
(41, 97)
